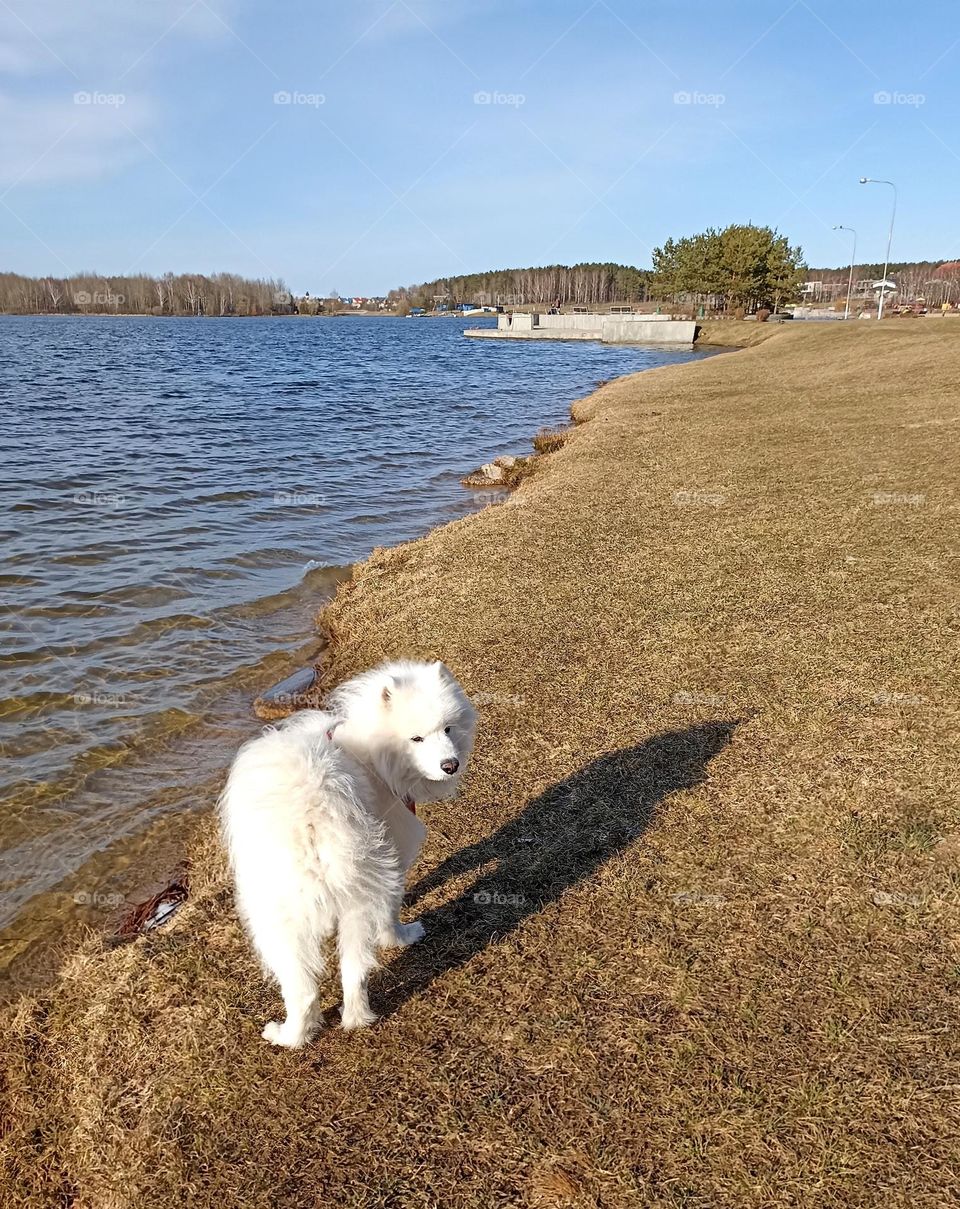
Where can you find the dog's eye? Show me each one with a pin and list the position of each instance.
(417, 739)
(446, 730)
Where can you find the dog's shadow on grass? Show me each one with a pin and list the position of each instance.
(561, 838)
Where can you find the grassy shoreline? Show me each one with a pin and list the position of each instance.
(691, 931)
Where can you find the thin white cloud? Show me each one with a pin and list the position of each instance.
(79, 79)
(59, 141)
(101, 37)
(390, 18)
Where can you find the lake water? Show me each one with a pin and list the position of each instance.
(180, 495)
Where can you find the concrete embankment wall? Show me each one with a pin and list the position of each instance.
(611, 329)
(645, 331)
(590, 321)
(568, 322)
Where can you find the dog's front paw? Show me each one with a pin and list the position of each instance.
(358, 1018)
(278, 1034)
(409, 934)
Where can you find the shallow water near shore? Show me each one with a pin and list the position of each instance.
(180, 497)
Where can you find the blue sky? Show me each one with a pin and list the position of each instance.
(365, 144)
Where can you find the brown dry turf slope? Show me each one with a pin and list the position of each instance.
(692, 928)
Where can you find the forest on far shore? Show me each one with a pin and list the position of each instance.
(739, 267)
(171, 294)
(742, 265)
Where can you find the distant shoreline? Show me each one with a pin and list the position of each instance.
(187, 315)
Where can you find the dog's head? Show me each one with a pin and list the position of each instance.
(431, 724)
(414, 721)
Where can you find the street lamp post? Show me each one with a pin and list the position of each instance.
(853, 261)
(868, 180)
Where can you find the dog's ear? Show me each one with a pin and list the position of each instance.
(443, 672)
(388, 690)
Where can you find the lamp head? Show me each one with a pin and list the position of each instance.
(864, 180)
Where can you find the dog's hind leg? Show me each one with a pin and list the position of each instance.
(358, 959)
(399, 936)
(296, 966)
(368, 901)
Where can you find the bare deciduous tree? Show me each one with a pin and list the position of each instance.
(184, 294)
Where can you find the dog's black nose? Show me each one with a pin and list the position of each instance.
(450, 766)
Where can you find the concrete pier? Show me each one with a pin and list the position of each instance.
(610, 329)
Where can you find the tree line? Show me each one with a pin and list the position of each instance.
(739, 267)
(937, 281)
(570, 285)
(171, 294)
(742, 266)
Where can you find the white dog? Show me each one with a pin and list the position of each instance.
(319, 815)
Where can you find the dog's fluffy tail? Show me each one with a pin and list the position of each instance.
(308, 856)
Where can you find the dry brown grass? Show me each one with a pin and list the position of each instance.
(716, 786)
(734, 333)
(549, 440)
